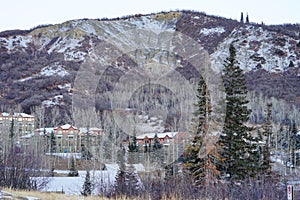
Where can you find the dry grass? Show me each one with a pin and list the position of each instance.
(167, 16)
(57, 196)
(18, 194)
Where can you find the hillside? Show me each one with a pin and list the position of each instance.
(41, 66)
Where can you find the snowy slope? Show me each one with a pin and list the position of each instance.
(258, 48)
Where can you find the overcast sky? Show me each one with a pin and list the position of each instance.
(25, 14)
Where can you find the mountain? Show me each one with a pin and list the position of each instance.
(40, 66)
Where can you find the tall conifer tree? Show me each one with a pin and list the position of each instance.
(238, 149)
(242, 17)
(199, 161)
(294, 143)
(247, 19)
(87, 185)
(265, 164)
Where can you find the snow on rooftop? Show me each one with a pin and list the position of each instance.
(23, 115)
(66, 126)
(91, 129)
(46, 130)
(159, 135)
(4, 114)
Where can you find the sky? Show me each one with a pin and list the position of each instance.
(26, 14)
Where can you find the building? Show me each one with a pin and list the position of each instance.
(21, 123)
(90, 138)
(70, 139)
(148, 138)
(66, 138)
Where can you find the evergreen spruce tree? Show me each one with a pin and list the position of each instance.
(52, 143)
(293, 144)
(237, 147)
(87, 185)
(126, 182)
(12, 134)
(73, 170)
(265, 161)
(156, 144)
(198, 160)
(2, 166)
(132, 146)
(120, 182)
(247, 19)
(133, 185)
(242, 17)
(85, 153)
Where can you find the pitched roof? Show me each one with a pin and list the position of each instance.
(66, 127)
(23, 115)
(4, 114)
(41, 130)
(84, 130)
(159, 135)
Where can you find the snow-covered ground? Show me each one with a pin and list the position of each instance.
(255, 46)
(54, 69)
(216, 30)
(73, 185)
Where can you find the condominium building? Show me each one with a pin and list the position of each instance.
(19, 124)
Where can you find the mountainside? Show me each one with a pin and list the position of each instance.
(40, 66)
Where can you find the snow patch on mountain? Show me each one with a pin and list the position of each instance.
(54, 69)
(25, 79)
(63, 45)
(66, 86)
(150, 23)
(74, 55)
(56, 100)
(89, 28)
(15, 41)
(209, 31)
(258, 48)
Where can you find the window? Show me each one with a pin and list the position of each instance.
(70, 137)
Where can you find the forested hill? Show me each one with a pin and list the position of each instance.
(39, 66)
